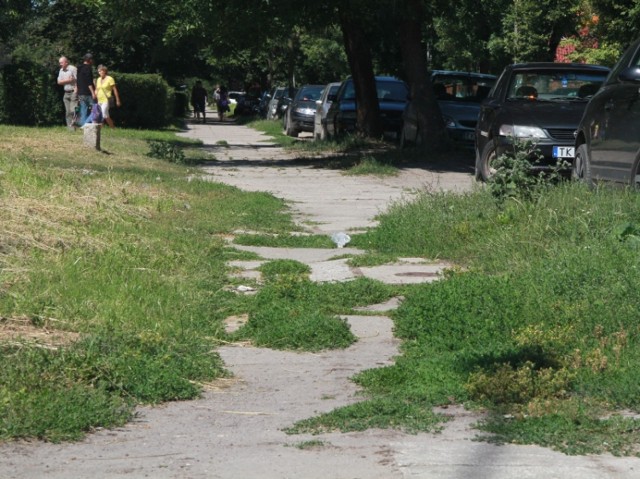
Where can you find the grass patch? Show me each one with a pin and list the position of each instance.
(541, 330)
(121, 254)
(291, 312)
(369, 165)
(285, 240)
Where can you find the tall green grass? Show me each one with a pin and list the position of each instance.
(538, 324)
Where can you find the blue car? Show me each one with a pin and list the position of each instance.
(459, 95)
(392, 98)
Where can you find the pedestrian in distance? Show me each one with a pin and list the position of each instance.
(222, 101)
(199, 101)
(86, 90)
(67, 79)
(107, 94)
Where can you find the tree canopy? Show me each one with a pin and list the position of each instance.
(267, 42)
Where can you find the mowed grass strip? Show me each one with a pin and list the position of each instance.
(124, 254)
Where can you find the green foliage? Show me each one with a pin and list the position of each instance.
(368, 165)
(514, 177)
(541, 329)
(291, 312)
(123, 263)
(28, 96)
(605, 53)
(165, 150)
(147, 101)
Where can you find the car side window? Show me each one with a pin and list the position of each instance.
(630, 58)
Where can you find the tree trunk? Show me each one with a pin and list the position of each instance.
(361, 65)
(430, 121)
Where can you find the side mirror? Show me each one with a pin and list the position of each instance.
(318, 102)
(630, 74)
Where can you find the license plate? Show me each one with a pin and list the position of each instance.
(469, 135)
(564, 152)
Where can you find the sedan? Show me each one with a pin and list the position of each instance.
(302, 110)
(392, 98)
(608, 139)
(541, 103)
(459, 95)
(322, 107)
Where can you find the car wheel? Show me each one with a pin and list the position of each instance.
(289, 129)
(403, 140)
(484, 162)
(324, 134)
(418, 141)
(581, 168)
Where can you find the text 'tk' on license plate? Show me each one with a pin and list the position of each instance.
(564, 152)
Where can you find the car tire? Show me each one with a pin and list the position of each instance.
(484, 161)
(289, 130)
(581, 168)
(403, 140)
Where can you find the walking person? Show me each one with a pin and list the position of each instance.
(86, 91)
(107, 94)
(199, 101)
(67, 79)
(222, 101)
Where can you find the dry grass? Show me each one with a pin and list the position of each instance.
(22, 331)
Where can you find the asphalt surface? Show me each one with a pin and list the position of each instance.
(236, 429)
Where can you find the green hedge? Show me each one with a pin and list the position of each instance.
(147, 101)
(29, 95)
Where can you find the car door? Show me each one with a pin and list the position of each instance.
(489, 110)
(615, 133)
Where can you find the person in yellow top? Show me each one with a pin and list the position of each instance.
(106, 91)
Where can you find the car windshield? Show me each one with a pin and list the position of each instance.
(387, 90)
(462, 87)
(555, 85)
(310, 93)
(392, 91)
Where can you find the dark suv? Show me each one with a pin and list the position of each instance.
(392, 98)
(608, 138)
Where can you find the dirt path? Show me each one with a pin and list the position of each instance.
(235, 430)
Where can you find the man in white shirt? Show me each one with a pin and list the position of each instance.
(67, 79)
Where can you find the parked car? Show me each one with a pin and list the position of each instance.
(234, 96)
(538, 102)
(608, 139)
(302, 109)
(459, 95)
(322, 107)
(274, 102)
(392, 98)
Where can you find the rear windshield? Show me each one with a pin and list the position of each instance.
(388, 90)
(555, 84)
(462, 87)
(309, 93)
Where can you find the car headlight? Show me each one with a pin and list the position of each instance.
(522, 131)
(305, 111)
(448, 122)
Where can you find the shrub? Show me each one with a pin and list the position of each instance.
(147, 101)
(29, 96)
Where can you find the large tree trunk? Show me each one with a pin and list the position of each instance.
(361, 64)
(430, 120)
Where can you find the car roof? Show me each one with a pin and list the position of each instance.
(461, 73)
(558, 66)
(379, 78)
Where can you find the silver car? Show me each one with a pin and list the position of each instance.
(322, 106)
